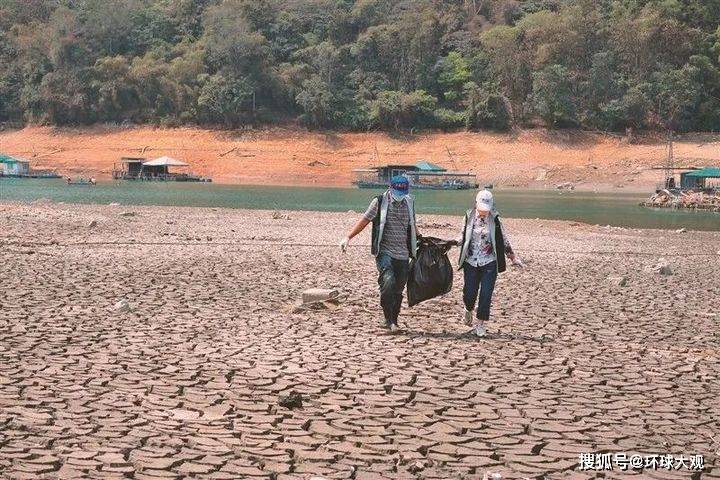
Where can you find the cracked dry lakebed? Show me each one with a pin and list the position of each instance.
(156, 343)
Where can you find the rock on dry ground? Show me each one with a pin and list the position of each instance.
(186, 384)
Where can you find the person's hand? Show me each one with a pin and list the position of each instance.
(344, 244)
(515, 260)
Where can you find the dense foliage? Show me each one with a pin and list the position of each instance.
(361, 64)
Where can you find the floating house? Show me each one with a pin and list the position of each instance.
(422, 175)
(136, 168)
(707, 178)
(14, 167)
(17, 168)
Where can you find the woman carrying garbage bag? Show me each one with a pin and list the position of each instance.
(483, 247)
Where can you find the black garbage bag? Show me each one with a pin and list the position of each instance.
(431, 274)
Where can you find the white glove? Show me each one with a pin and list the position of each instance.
(517, 262)
(344, 244)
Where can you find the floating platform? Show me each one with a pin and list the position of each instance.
(707, 200)
(423, 176)
(420, 186)
(43, 175)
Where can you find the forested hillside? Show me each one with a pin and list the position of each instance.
(365, 64)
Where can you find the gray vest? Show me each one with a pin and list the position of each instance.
(381, 219)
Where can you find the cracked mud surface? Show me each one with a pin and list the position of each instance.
(186, 384)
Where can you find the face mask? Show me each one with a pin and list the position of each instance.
(397, 197)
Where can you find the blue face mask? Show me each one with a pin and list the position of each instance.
(397, 197)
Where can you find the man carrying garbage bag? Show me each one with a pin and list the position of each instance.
(394, 243)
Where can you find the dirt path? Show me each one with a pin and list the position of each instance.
(533, 159)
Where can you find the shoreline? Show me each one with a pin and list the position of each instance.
(529, 159)
(569, 224)
(580, 188)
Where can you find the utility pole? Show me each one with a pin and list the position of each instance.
(669, 162)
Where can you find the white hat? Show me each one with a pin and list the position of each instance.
(484, 200)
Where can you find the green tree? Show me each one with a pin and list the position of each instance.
(453, 71)
(394, 109)
(226, 100)
(510, 65)
(317, 101)
(553, 98)
(485, 108)
(117, 97)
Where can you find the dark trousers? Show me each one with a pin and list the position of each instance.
(480, 279)
(393, 275)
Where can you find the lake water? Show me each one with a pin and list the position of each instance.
(617, 209)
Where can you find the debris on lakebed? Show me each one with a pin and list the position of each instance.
(291, 400)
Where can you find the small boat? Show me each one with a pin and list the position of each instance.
(81, 181)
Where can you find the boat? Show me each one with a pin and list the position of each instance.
(423, 176)
(81, 181)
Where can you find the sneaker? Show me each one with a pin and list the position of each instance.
(384, 323)
(479, 331)
(394, 328)
(468, 318)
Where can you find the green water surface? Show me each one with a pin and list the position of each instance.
(617, 209)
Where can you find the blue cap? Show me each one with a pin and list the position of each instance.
(400, 185)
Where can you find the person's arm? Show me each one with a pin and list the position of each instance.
(459, 239)
(509, 252)
(360, 224)
(358, 227)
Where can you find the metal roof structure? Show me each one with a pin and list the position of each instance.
(8, 159)
(429, 167)
(707, 172)
(165, 162)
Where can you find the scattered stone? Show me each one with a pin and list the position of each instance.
(128, 214)
(617, 280)
(417, 467)
(565, 186)
(122, 307)
(313, 295)
(114, 204)
(280, 216)
(317, 163)
(681, 230)
(661, 268)
(92, 224)
(351, 211)
(291, 400)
